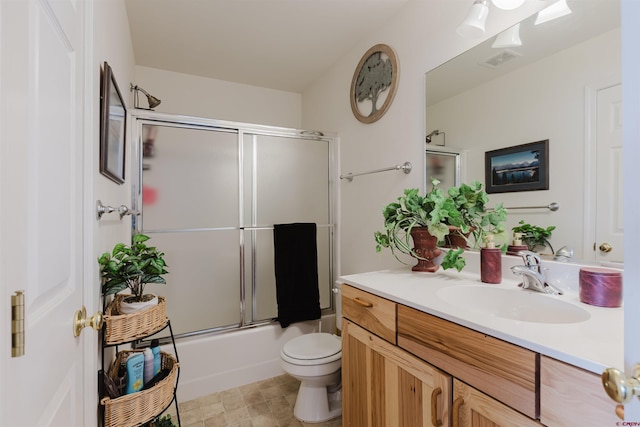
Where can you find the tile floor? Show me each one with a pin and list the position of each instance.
(267, 403)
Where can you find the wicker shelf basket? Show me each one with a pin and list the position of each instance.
(121, 328)
(138, 408)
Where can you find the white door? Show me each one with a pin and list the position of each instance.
(609, 234)
(41, 208)
(631, 80)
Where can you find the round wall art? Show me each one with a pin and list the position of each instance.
(374, 83)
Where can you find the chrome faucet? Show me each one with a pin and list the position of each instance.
(532, 273)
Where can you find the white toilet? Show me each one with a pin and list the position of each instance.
(315, 359)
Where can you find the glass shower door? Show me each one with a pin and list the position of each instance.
(190, 209)
(286, 181)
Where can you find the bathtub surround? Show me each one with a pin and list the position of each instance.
(237, 358)
(296, 269)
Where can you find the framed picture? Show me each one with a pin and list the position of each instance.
(374, 83)
(113, 125)
(518, 168)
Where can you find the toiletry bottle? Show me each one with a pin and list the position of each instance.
(490, 262)
(135, 372)
(157, 357)
(148, 365)
(517, 245)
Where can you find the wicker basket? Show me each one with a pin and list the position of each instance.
(121, 328)
(138, 408)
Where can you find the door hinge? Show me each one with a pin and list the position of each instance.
(17, 324)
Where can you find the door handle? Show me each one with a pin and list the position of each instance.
(80, 321)
(620, 388)
(605, 247)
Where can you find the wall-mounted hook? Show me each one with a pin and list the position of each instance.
(102, 209)
(122, 210)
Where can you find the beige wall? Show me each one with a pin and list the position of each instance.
(423, 37)
(112, 43)
(217, 99)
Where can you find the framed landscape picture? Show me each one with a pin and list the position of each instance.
(113, 125)
(519, 168)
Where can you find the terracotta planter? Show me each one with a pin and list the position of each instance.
(455, 239)
(426, 247)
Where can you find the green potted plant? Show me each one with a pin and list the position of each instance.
(534, 236)
(461, 210)
(132, 267)
(471, 202)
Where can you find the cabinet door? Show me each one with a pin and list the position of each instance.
(386, 386)
(474, 408)
(573, 396)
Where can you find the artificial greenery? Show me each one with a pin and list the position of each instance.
(131, 267)
(164, 421)
(534, 236)
(462, 207)
(471, 202)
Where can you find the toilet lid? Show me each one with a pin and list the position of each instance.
(312, 346)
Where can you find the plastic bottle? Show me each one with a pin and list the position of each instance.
(157, 357)
(135, 375)
(490, 262)
(148, 365)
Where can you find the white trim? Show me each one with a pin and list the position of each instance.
(590, 162)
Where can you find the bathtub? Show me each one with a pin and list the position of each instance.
(212, 363)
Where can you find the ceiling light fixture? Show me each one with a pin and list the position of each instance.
(508, 38)
(152, 100)
(555, 11)
(508, 4)
(473, 25)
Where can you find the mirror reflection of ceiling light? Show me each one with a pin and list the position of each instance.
(473, 25)
(508, 4)
(555, 11)
(508, 38)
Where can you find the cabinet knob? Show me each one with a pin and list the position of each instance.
(619, 387)
(80, 321)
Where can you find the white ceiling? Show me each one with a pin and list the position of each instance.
(277, 44)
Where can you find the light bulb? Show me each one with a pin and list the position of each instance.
(508, 4)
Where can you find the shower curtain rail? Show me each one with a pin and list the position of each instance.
(405, 167)
(553, 206)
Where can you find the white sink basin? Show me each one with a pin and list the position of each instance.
(515, 304)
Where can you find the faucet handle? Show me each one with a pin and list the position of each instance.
(530, 258)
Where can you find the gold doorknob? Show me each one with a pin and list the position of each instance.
(619, 387)
(606, 248)
(80, 321)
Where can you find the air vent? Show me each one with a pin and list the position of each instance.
(500, 58)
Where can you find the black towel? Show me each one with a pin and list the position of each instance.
(296, 268)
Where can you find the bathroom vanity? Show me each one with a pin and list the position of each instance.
(444, 349)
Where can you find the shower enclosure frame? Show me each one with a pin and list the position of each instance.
(141, 117)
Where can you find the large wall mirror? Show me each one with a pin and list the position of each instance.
(562, 83)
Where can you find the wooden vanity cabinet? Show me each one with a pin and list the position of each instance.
(573, 396)
(404, 367)
(374, 313)
(472, 408)
(504, 371)
(386, 386)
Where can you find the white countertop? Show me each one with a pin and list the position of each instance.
(593, 344)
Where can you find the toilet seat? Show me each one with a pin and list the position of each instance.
(312, 349)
